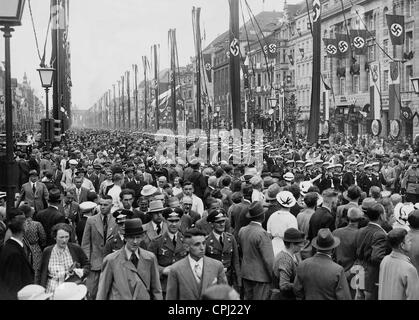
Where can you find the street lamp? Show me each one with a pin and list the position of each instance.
(10, 15)
(415, 84)
(46, 75)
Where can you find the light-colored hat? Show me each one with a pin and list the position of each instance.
(33, 292)
(70, 291)
(289, 176)
(385, 193)
(155, 206)
(375, 164)
(73, 162)
(148, 190)
(304, 186)
(402, 211)
(87, 206)
(286, 199)
(309, 164)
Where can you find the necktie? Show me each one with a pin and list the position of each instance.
(105, 228)
(221, 241)
(134, 259)
(158, 229)
(174, 241)
(198, 272)
(33, 188)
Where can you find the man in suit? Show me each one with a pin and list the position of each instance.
(237, 213)
(169, 247)
(34, 192)
(191, 276)
(353, 194)
(318, 277)
(91, 175)
(69, 175)
(222, 246)
(50, 216)
(157, 226)
(130, 273)
(15, 269)
(79, 191)
(258, 255)
(197, 179)
(57, 175)
(348, 178)
(372, 247)
(98, 230)
(369, 179)
(136, 184)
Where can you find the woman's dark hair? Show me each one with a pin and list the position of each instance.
(61, 226)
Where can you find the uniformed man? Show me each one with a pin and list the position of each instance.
(168, 247)
(117, 241)
(222, 246)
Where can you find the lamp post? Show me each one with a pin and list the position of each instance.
(46, 75)
(10, 15)
(415, 84)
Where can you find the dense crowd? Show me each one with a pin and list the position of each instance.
(106, 215)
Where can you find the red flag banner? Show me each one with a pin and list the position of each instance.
(271, 47)
(343, 45)
(208, 66)
(359, 41)
(395, 25)
(331, 47)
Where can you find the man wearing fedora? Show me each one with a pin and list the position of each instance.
(190, 277)
(69, 174)
(258, 255)
(319, 277)
(130, 273)
(34, 192)
(222, 246)
(98, 230)
(281, 220)
(50, 216)
(157, 226)
(169, 246)
(353, 194)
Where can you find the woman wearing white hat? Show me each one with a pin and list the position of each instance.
(281, 220)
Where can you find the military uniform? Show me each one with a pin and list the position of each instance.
(114, 244)
(228, 254)
(166, 253)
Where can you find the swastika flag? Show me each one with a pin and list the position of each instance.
(359, 41)
(331, 47)
(395, 25)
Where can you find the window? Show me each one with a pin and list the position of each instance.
(355, 84)
(385, 11)
(385, 45)
(410, 8)
(370, 21)
(408, 75)
(284, 53)
(342, 86)
(385, 80)
(259, 101)
(409, 41)
(190, 94)
(371, 51)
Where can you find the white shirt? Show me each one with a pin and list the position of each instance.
(155, 226)
(18, 241)
(114, 193)
(257, 196)
(278, 222)
(200, 262)
(129, 253)
(197, 205)
(88, 184)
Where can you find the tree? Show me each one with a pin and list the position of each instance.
(291, 115)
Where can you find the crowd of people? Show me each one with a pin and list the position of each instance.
(104, 216)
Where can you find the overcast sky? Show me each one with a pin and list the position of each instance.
(108, 36)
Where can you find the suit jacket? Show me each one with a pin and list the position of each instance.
(258, 254)
(83, 194)
(49, 218)
(319, 278)
(57, 176)
(348, 179)
(151, 234)
(366, 183)
(93, 243)
(120, 280)
(15, 269)
(346, 252)
(95, 180)
(67, 179)
(199, 183)
(39, 199)
(371, 248)
(77, 254)
(181, 282)
(321, 218)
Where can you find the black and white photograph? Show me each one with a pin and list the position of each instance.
(211, 154)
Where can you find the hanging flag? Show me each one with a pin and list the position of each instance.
(395, 25)
(394, 91)
(208, 66)
(314, 122)
(245, 70)
(302, 52)
(342, 44)
(271, 48)
(291, 59)
(374, 90)
(358, 40)
(331, 47)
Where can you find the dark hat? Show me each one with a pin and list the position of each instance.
(171, 214)
(293, 235)
(255, 210)
(3, 195)
(325, 240)
(216, 215)
(236, 197)
(133, 227)
(80, 170)
(413, 219)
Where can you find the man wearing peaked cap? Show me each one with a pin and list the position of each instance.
(288, 177)
(130, 267)
(258, 255)
(169, 247)
(222, 246)
(319, 277)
